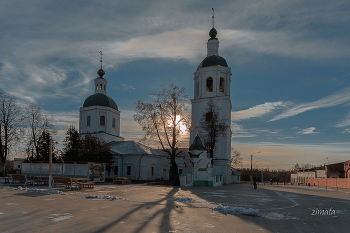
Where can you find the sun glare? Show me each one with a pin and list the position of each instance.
(181, 126)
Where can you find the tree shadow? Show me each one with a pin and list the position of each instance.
(282, 210)
(165, 212)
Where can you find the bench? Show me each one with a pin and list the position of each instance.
(8, 178)
(122, 180)
(21, 178)
(67, 181)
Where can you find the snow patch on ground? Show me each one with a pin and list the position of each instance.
(216, 195)
(33, 190)
(60, 217)
(185, 199)
(106, 197)
(236, 210)
(290, 197)
(278, 216)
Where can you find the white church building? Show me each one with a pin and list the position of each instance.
(100, 116)
(212, 82)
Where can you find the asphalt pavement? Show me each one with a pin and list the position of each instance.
(147, 208)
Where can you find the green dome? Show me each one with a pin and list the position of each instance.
(100, 99)
(213, 60)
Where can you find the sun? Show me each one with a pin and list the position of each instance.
(181, 125)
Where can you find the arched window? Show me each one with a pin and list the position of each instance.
(102, 120)
(100, 86)
(222, 84)
(209, 116)
(96, 86)
(113, 123)
(88, 120)
(197, 88)
(209, 84)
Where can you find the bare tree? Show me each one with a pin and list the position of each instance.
(162, 120)
(10, 124)
(213, 126)
(236, 158)
(303, 166)
(37, 123)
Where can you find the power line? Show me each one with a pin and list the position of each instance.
(313, 161)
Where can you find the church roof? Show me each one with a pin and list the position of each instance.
(100, 99)
(133, 148)
(213, 60)
(197, 144)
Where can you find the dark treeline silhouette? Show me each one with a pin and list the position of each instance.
(275, 175)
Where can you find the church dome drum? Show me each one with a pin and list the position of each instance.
(100, 99)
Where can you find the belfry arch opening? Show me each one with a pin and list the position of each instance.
(209, 84)
(222, 84)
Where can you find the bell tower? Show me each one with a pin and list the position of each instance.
(212, 82)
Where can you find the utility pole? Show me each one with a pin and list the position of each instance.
(251, 166)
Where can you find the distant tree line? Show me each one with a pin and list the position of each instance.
(24, 127)
(88, 148)
(29, 129)
(267, 174)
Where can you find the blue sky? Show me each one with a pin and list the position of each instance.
(290, 88)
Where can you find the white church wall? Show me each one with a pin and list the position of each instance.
(143, 170)
(106, 132)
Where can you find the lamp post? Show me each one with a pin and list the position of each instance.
(251, 166)
(50, 165)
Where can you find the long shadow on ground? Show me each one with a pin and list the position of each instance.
(282, 209)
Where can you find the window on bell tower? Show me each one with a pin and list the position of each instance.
(88, 120)
(102, 120)
(222, 84)
(113, 123)
(209, 84)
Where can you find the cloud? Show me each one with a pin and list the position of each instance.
(282, 43)
(239, 132)
(340, 97)
(345, 123)
(257, 111)
(310, 130)
(127, 87)
(49, 56)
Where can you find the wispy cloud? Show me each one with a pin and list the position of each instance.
(310, 130)
(257, 111)
(340, 97)
(239, 132)
(345, 123)
(127, 87)
(283, 44)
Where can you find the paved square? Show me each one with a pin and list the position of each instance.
(144, 208)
